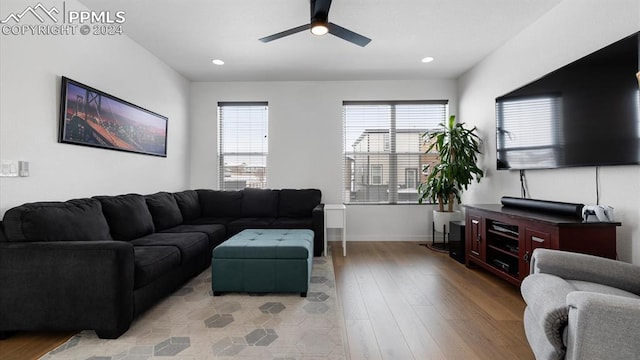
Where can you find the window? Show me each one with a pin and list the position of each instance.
(529, 131)
(376, 174)
(384, 151)
(411, 178)
(243, 145)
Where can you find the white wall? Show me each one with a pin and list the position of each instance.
(305, 142)
(30, 71)
(569, 31)
(305, 121)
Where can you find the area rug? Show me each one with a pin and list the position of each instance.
(191, 324)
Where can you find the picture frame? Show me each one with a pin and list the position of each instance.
(90, 117)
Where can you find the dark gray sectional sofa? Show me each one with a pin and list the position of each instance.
(96, 263)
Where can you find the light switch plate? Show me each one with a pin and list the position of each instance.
(8, 168)
(23, 168)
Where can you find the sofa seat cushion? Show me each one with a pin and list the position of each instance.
(191, 245)
(151, 262)
(73, 220)
(128, 216)
(238, 225)
(164, 210)
(298, 203)
(601, 289)
(293, 223)
(267, 244)
(215, 232)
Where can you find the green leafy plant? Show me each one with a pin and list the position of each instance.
(458, 149)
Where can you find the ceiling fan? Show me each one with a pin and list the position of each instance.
(320, 25)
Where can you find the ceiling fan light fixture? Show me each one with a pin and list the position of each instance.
(320, 25)
(319, 28)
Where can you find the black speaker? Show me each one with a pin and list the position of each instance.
(547, 206)
(456, 241)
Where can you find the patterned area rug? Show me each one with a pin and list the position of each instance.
(193, 325)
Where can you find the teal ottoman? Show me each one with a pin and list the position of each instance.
(263, 261)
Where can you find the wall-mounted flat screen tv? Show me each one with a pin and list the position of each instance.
(586, 113)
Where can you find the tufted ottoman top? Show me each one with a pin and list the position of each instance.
(267, 244)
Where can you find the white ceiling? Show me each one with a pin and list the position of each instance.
(188, 34)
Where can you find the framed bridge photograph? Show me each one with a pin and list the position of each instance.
(91, 117)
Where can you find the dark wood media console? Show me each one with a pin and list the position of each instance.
(501, 239)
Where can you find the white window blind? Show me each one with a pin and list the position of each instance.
(384, 152)
(242, 145)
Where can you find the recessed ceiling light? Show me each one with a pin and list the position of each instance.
(217, 62)
(428, 59)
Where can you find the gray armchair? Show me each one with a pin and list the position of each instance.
(581, 307)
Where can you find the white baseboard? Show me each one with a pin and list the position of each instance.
(382, 238)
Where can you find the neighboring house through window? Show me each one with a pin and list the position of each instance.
(242, 145)
(384, 150)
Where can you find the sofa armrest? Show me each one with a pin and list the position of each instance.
(546, 296)
(575, 266)
(317, 219)
(602, 326)
(67, 285)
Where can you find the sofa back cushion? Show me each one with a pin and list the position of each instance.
(164, 210)
(3, 238)
(260, 203)
(298, 203)
(73, 220)
(189, 204)
(128, 216)
(217, 203)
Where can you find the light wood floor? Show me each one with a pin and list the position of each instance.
(400, 301)
(30, 345)
(404, 301)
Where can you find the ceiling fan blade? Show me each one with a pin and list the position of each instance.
(348, 35)
(285, 33)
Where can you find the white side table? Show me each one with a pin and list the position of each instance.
(335, 216)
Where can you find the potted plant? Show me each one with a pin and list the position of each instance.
(458, 148)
